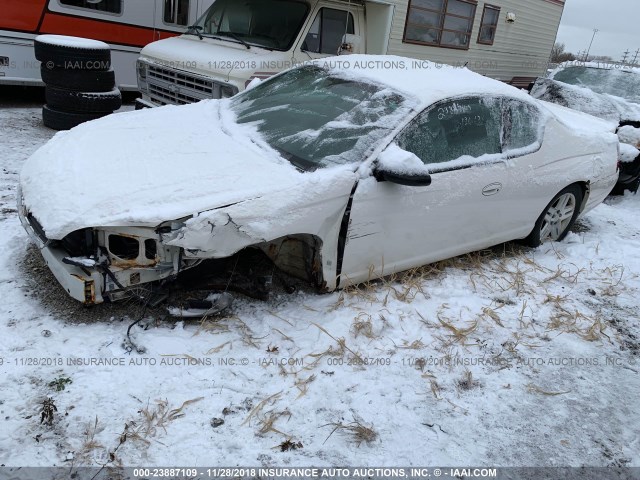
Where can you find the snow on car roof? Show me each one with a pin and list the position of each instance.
(599, 65)
(428, 81)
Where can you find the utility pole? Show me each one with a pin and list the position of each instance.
(626, 54)
(595, 30)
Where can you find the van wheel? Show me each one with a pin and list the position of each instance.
(59, 120)
(558, 217)
(89, 102)
(79, 80)
(72, 53)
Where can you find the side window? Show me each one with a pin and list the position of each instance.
(109, 6)
(453, 129)
(521, 125)
(328, 29)
(176, 12)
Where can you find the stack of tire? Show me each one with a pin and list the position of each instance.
(80, 83)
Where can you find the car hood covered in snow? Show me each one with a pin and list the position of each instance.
(146, 167)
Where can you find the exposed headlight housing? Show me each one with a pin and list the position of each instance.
(227, 91)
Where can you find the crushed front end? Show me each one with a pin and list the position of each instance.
(98, 264)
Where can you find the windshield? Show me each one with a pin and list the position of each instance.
(316, 119)
(272, 24)
(620, 83)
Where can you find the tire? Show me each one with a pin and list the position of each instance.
(58, 120)
(79, 80)
(552, 224)
(71, 57)
(83, 102)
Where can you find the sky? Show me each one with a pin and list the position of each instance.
(616, 20)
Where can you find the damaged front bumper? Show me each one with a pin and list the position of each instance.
(92, 279)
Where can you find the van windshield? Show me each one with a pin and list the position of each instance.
(316, 119)
(272, 24)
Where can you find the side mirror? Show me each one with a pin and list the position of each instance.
(350, 44)
(398, 166)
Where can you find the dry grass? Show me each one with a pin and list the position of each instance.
(342, 346)
(362, 325)
(467, 382)
(457, 335)
(356, 431)
(258, 408)
(267, 420)
(156, 417)
(303, 385)
(531, 388)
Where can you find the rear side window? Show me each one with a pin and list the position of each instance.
(521, 125)
(109, 6)
(453, 129)
(328, 29)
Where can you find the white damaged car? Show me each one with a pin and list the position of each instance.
(337, 172)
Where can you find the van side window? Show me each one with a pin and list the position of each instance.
(327, 31)
(109, 6)
(453, 129)
(176, 12)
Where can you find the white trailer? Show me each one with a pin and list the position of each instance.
(235, 42)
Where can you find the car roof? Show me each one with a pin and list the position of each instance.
(428, 81)
(611, 66)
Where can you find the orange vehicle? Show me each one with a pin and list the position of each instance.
(126, 25)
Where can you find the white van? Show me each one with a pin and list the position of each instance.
(235, 42)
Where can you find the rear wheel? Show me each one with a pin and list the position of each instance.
(557, 218)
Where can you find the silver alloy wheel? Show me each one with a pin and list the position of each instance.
(558, 217)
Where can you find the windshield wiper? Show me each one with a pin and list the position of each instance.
(196, 29)
(235, 37)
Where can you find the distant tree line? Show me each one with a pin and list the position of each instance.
(559, 54)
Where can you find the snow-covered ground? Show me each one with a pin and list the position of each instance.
(507, 357)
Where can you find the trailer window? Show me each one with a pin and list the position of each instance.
(488, 25)
(176, 12)
(109, 6)
(443, 23)
(328, 29)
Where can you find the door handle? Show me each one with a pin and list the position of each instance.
(492, 189)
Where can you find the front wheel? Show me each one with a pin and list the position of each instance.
(557, 218)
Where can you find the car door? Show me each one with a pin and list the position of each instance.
(467, 206)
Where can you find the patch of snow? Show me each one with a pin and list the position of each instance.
(253, 83)
(111, 93)
(629, 134)
(628, 153)
(428, 81)
(83, 261)
(73, 42)
(395, 159)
